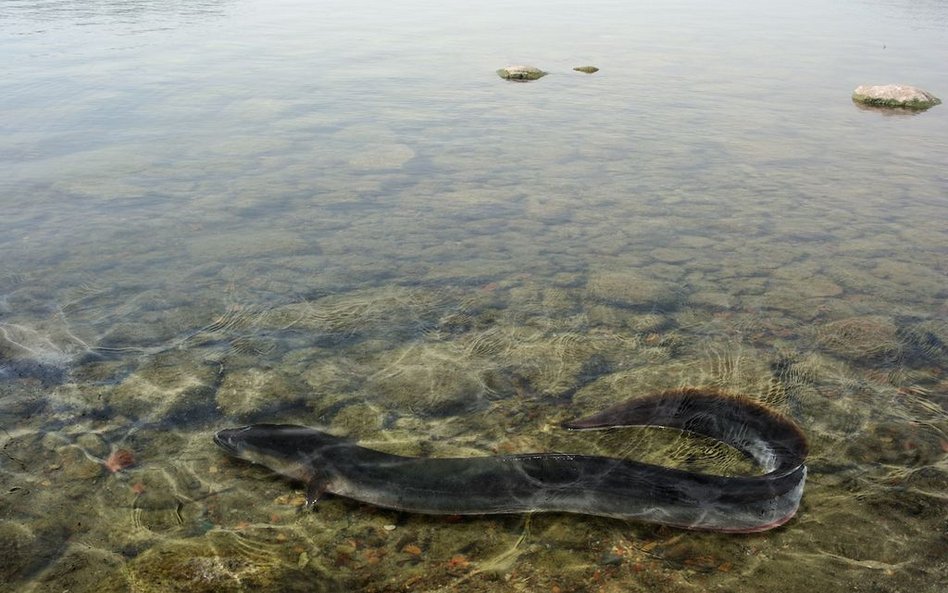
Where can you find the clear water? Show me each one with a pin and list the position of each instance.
(336, 214)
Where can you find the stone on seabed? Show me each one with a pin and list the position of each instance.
(895, 95)
(521, 73)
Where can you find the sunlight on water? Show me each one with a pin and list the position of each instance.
(336, 214)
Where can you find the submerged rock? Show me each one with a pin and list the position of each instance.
(895, 95)
(220, 562)
(80, 569)
(521, 73)
(19, 548)
(586, 69)
(430, 379)
(861, 339)
(627, 289)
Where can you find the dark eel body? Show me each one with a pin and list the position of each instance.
(553, 482)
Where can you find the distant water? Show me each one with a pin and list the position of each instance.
(215, 212)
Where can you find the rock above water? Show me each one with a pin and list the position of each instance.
(586, 69)
(895, 95)
(521, 73)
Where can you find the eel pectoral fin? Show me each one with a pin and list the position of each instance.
(315, 488)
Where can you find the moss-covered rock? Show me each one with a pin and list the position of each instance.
(80, 570)
(360, 419)
(586, 69)
(432, 379)
(170, 383)
(895, 95)
(521, 73)
(864, 338)
(246, 391)
(18, 546)
(626, 289)
(897, 443)
(220, 562)
(77, 465)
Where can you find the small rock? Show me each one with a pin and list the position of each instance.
(610, 559)
(346, 548)
(586, 69)
(895, 95)
(521, 73)
(412, 549)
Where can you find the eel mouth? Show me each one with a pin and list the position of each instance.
(226, 440)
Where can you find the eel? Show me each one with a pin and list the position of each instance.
(558, 482)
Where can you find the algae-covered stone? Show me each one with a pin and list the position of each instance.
(673, 255)
(712, 299)
(250, 390)
(626, 289)
(18, 546)
(76, 465)
(895, 95)
(169, 384)
(926, 340)
(861, 338)
(898, 443)
(521, 73)
(332, 376)
(80, 570)
(586, 69)
(220, 563)
(359, 419)
(93, 444)
(382, 156)
(433, 379)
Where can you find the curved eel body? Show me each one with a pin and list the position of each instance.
(554, 482)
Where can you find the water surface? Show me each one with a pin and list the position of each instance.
(336, 214)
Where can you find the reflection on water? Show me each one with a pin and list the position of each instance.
(336, 214)
(108, 12)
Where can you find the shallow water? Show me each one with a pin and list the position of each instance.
(336, 214)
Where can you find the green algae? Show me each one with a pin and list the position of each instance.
(920, 104)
